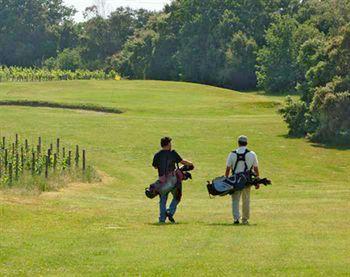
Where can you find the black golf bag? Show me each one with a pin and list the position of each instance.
(221, 186)
(228, 185)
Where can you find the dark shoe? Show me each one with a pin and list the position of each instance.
(171, 219)
(245, 222)
(236, 222)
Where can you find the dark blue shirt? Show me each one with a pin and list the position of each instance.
(165, 161)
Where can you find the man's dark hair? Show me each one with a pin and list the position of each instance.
(165, 141)
(242, 143)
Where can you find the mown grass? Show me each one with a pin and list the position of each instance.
(299, 226)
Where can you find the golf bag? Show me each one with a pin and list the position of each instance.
(168, 182)
(221, 186)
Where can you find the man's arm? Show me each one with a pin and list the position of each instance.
(227, 172)
(185, 162)
(155, 161)
(256, 171)
(229, 165)
(256, 165)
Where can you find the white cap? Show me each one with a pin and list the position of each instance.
(243, 139)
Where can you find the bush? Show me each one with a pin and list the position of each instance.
(295, 115)
(68, 59)
(332, 109)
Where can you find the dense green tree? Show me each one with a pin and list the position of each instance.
(327, 16)
(327, 114)
(103, 38)
(135, 58)
(30, 30)
(239, 70)
(331, 102)
(277, 70)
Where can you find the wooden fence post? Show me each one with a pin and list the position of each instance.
(58, 146)
(16, 141)
(54, 161)
(49, 155)
(26, 145)
(46, 166)
(39, 144)
(33, 162)
(22, 158)
(6, 161)
(10, 173)
(16, 168)
(84, 160)
(69, 158)
(77, 155)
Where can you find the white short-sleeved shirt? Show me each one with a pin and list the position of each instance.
(250, 158)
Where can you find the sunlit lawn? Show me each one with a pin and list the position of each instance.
(299, 226)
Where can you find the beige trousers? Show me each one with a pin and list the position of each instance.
(245, 193)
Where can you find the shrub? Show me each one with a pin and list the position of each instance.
(295, 115)
(332, 109)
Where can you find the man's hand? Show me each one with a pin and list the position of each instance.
(184, 162)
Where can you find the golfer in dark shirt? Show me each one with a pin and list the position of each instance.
(165, 162)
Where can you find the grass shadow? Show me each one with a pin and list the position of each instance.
(70, 106)
(341, 147)
(166, 224)
(225, 224)
(331, 146)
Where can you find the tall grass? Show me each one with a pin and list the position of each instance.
(20, 74)
(36, 167)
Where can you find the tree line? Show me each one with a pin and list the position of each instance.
(281, 46)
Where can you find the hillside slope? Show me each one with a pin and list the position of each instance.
(300, 225)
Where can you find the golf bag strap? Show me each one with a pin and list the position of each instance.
(240, 157)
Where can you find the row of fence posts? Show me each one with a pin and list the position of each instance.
(17, 159)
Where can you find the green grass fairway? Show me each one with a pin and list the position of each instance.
(299, 226)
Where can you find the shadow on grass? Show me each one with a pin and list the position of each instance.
(270, 94)
(166, 224)
(71, 106)
(330, 146)
(217, 224)
(225, 224)
(342, 147)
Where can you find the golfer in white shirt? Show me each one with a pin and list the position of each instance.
(250, 163)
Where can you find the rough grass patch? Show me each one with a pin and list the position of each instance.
(38, 183)
(47, 104)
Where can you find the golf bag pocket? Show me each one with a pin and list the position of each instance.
(168, 185)
(239, 180)
(219, 186)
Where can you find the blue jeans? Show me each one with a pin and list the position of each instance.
(173, 205)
